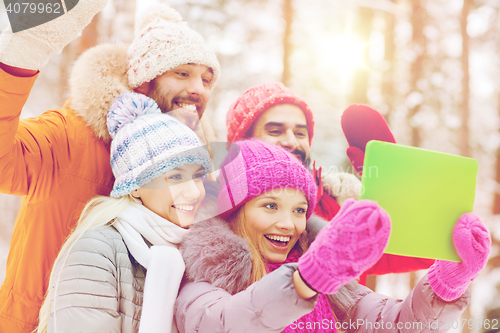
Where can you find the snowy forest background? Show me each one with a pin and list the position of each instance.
(430, 67)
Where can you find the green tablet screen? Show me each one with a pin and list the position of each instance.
(424, 192)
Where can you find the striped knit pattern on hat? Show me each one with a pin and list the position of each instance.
(147, 143)
(164, 42)
(254, 167)
(248, 107)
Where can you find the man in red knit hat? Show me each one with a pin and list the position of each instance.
(274, 113)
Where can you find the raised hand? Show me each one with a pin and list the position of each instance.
(31, 48)
(450, 280)
(341, 185)
(360, 124)
(351, 243)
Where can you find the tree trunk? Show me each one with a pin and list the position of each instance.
(496, 198)
(72, 51)
(388, 83)
(287, 43)
(371, 282)
(464, 130)
(413, 280)
(67, 58)
(418, 20)
(363, 30)
(89, 36)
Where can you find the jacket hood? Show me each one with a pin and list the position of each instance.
(213, 253)
(98, 77)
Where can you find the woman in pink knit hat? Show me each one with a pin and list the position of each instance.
(252, 270)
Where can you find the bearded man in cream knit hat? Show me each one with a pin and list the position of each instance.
(60, 160)
(171, 63)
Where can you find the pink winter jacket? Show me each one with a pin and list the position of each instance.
(214, 299)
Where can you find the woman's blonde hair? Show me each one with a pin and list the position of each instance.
(98, 212)
(238, 224)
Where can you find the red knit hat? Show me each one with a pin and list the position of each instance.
(248, 107)
(253, 167)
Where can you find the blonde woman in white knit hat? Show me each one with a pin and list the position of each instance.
(60, 159)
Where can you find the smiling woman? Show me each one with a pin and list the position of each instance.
(121, 263)
(273, 222)
(254, 271)
(176, 195)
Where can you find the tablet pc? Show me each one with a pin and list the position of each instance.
(424, 192)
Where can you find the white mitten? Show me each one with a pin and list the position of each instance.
(342, 185)
(31, 48)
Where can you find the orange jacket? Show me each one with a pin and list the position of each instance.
(56, 162)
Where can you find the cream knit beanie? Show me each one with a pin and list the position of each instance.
(163, 41)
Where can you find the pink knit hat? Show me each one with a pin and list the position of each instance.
(254, 167)
(247, 108)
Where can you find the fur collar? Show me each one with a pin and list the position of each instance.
(213, 253)
(98, 76)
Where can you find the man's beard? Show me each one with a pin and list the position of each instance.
(301, 155)
(167, 106)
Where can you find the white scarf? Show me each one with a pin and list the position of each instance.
(163, 261)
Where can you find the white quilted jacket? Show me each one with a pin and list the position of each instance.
(100, 262)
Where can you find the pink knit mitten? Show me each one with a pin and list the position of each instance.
(448, 279)
(351, 243)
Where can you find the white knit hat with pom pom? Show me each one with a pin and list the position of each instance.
(163, 41)
(147, 143)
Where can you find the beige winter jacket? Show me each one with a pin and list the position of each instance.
(100, 262)
(101, 286)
